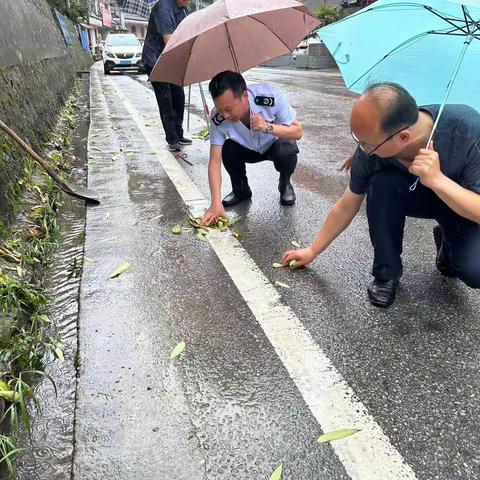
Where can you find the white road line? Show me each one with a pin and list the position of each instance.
(368, 455)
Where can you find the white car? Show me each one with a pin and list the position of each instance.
(122, 51)
(302, 49)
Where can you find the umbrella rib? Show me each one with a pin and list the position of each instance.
(431, 10)
(230, 44)
(477, 24)
(381, 7)
(265, 25)
(369, 9)
(449, 33)
(472, 22)
(189, 57)
(465, 17)
(398, 47)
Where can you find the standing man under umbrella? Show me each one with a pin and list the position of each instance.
(249, 125)
(165, 17)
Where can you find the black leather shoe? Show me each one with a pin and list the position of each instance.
(287, 193)
(382, 292)
(184, 141)
(232, 198)
(442, 261)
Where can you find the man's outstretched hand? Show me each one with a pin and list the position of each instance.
(303, 257)
(347, 164)
(214, 211)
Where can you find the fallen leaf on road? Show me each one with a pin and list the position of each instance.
(337, 435)
(178, 349)
(233, 221)
(108, 239)
(221, 223)
(277, 265)
(89, 260)
(202, 231)
(277, 474)
(158, 217)
(107, 216)
(296, 244)
(281, 284)
(202, 236)
(120, 270)
(203, 134)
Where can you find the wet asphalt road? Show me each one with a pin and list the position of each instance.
(227, 408)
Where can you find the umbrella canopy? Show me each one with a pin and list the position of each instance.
(138, 7)
(232, 35)
(429, 47)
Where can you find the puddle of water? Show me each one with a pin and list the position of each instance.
(49, 450)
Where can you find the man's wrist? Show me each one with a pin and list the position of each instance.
(269, 128)
(439, 182)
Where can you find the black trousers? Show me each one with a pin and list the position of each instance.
(390, 201)
(283, 153)
(171, 104)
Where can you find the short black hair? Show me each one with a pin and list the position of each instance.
(227, 80)
(399, 107)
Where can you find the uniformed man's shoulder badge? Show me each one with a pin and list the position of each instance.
(218, 119)
(265, 100)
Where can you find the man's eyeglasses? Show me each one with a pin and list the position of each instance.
(367, 152)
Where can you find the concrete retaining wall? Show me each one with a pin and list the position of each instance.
(37, 70)
(318, 58)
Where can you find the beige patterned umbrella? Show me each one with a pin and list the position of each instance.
(232, 35)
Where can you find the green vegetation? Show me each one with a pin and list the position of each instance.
(328, 14)
(26, 248)
(77, 12)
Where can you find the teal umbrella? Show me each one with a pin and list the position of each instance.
(432, 48)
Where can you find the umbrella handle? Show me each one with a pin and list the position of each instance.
(450, 84)
(205, 106)
(189, 106)
(466, 44)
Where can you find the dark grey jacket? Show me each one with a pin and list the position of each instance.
(165, 17)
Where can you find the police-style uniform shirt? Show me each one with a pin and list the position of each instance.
(456, 140)
(165, 17)
(266, 100)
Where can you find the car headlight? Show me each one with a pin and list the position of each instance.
(110, 55)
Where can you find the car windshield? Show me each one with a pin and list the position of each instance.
(122, 41)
